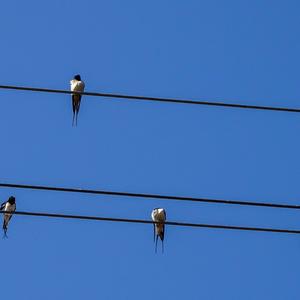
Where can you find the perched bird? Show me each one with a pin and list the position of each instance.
(77, 85)
(159, 216)
(9, 206)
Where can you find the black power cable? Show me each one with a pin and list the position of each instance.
(157, 99)
(124, 220)
(149, 196)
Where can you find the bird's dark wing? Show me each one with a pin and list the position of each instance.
(78, 103)
(2, 205)
(73, 103)
(162, 236)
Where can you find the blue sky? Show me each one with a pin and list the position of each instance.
(233, 51)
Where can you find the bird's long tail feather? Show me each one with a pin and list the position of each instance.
(78, 108)
(73, 108)
(4, 230)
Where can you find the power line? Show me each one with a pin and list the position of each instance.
(149, 196)
(124, 220)
(157, 99)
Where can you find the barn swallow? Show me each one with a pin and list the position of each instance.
(77, 85)
(9, 206)
(159, 216)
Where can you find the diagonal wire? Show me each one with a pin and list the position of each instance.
(182, 224)
(156, 99)
(150, 196)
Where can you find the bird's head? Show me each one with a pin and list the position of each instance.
(77, 77)
(12, 200)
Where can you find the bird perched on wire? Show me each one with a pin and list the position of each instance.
(159, 216)
(8, 206)
(77, 85)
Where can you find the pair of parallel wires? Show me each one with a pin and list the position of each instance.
(154, 196)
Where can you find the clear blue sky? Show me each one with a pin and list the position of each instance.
(238, 51)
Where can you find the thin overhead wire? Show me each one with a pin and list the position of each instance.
(157, 99)
(182, 224)
(149, 196)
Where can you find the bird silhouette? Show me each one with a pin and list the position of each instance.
(77, 85)
(159, 216)
(8, 206)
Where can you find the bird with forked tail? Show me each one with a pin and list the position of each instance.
(9, 206)
(77, 85)
(159, 216)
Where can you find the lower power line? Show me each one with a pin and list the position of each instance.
(182, 224)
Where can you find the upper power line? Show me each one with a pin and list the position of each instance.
(157, 99)
(124, 220)
(149, 196)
